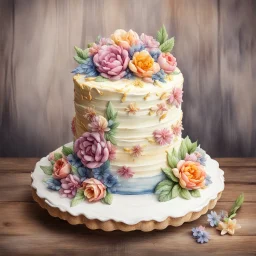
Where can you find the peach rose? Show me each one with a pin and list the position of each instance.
(94, 190)
(167, 62)
(61, 169)
(143, 65)
(191, 174)
(125, 39)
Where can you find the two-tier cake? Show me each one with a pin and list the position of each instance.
(127, 150)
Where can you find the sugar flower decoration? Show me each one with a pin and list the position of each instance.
(190, 157)
(125, 39)
(229, 226)
(89, 113)
(200, 234)
(125, 172)
(110, 181)
(213, 218)
(111, 150)
(61, 169)
(87, 68)
(161, 108)
(167, 62)
(201, 155)
(99, 124)
(143, 65)
(53, 184)
(191, 175)
(149, 42)
(92, 149)
(177, 129)
(163, 136)
(132, 108)
(223, 214)
(208, 180)
(69, 186)
(111, 61)
(94, 190)
(74, 160)
(175, 98)
(136, 151)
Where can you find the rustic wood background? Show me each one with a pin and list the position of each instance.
(215, 48)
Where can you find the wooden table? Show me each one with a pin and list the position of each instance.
(26, 229)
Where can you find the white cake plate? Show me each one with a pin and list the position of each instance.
(129, 212)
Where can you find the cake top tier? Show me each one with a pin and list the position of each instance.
(126, 55)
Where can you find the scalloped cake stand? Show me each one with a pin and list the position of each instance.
(129, 212)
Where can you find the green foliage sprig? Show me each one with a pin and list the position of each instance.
(82, 55)
(166, 45)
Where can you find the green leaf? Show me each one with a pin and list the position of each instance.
(237, 204)
(78, 198)
(74, 169)
(183, 150)
(172, 160)
(110, 137)
(168, 172)
(165, 195)
(108, 198)
(67, 151)
(89, 45)
(195, 193)
(163, 185)
(175, 72)
(114, 126)
(101, 79)
(187, 142)
(78, 59)
(162, 35)
(47, 169)
(185, 194)
(176, 190)
(167, 46)
(52, 162)
(57, 156)
(83, 54)
(110, 112)
(193, 147)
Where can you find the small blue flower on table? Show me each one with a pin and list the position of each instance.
(200, 235)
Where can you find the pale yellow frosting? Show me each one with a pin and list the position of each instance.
(134, 129)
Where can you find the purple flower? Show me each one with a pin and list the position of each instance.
(92, 149)
(111, 61)
(192, 157)
(69, 186)
(53, 184)
(200, 234)
(149, 42)
(213, 218)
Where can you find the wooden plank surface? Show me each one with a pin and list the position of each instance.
(25, 228)
(215, 51)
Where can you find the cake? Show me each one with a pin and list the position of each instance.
(127, 131)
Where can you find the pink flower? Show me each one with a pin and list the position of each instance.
(177, 128)
(92, 149)
(111, 61)
(61, 169)
(89, 113)
(149, 42)
(51, 156)
(192, 157)
(94, 190)
(161, 107)
(191, 175)
(69, 186)
(73, 126)
(96, 47)
(136, 151)
(99, 124)
(111, 150)
(163, 136)
(175, 97)
(167, 62)
(125, 172)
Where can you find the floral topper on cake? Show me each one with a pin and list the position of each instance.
(128, 55)
(185, 174)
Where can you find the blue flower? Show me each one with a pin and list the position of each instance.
(129, 74)
(98, 173)
(110, 181)
(53, 184)
(155, 54)
(84, 173)
(74, 160)
(208, 180)
(213, 218)
(201, 155)
(88, 68)
(160, 75)
(136, 48)
(200, 234)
